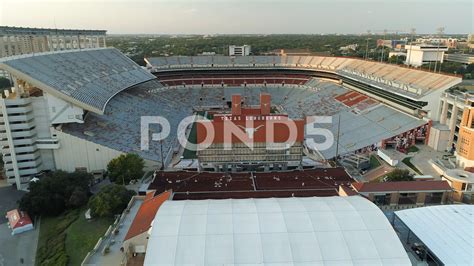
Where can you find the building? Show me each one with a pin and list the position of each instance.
(243, 50)
(52, 89)
(290, 52)
(393, 44)
(136, 239)
(451, 43)
(19, 40)
(271, 231)
(460, 58)
(441, 235)
(465, 144)
(77, 109)
(455, 129)
(250, 138)
(420, 54)
(405, 193)
(462, 183)
(470, 41)
(19, 221)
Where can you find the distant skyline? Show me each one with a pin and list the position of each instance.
(242, 17)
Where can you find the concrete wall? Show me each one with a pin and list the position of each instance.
(75, 153)
(139, 240)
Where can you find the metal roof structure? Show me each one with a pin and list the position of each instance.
(271, 231)
(88, 78)
(448, 231)
(6, 30)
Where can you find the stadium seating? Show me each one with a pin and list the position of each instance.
(409, 82)
(90, 76)
(363, 121)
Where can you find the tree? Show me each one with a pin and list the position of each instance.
(5, 83)
(110, 200)
(78, 198)
(125, 168)
(399, 175)
(56, 192)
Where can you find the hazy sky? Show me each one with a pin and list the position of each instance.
(244, 16)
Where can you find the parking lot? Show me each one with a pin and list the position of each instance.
(19, 249)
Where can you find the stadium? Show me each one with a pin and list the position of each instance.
(78, 109)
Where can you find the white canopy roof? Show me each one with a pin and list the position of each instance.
(274, 231)
(448, 231)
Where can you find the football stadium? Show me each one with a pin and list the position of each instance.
(78, 109)
(248, 159)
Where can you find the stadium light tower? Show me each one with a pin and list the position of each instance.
(367, 46)
(412, 34)
(440, 32)
(383, 45)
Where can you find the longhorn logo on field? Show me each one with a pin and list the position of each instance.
(250, 131)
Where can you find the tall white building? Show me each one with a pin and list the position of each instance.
(243, 50)
(420, 54)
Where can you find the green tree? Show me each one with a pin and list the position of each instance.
(110, 200)
(78, 198)
(125, 168)
(399, 175)
(5, 83)
(56, 192)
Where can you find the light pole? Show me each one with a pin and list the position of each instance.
(367, 46)
(440, 31)
(383, 45)
(412, 33)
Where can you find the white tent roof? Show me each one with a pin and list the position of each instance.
(274, 231)
(448, 231)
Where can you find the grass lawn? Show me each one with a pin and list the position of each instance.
(374, 162)
(82, 235)
(413, 149)
(409, 164)
(189, 154)
(66, 239)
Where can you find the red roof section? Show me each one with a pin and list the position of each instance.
(250, 124)
(146, 213)
(17, 218)
(402, 186)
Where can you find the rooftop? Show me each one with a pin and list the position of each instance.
(211, 185)
(273, 231)
(146, 213)
(405, 186)
(446, 230)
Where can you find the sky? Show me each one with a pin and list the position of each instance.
(243, 16)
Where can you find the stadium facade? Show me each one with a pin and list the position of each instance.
(270, 141)
(78, 109)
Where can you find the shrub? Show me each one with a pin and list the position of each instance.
(110, 200)
(125, 168)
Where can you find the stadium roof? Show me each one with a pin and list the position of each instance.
(271, 231)
(5, 30)
(448, 231)
(88, 78)
(407, 82)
